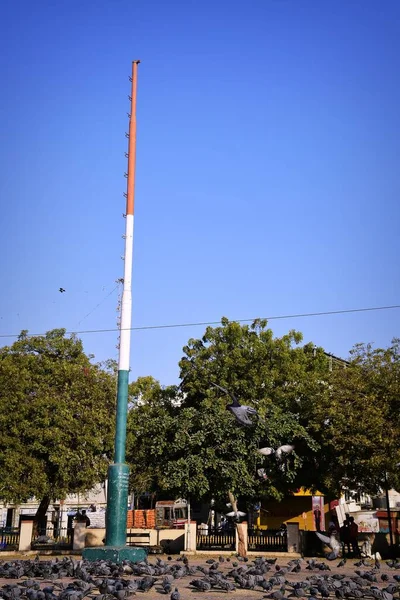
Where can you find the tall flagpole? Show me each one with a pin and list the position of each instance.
(118, 473)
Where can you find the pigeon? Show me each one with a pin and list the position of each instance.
(175, 595)
(201, 584)
(226, 585)
(146, 583)
(166, 586)
(266, 451)
(285, 449)
(241, 413)
(392, 564)
(332, 542)
(237, 514)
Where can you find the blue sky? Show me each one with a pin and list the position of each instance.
(267, 168)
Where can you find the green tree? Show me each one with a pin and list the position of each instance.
(56, 417)
(359, 421)
(193, 446)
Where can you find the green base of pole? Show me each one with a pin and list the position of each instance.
(117, 505)
(116, 554)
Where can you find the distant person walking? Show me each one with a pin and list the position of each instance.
(344, 534)
(353, 537)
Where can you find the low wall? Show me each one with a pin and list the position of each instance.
(94, 537)
(172, 540)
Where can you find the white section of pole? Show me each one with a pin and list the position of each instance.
(126, 304)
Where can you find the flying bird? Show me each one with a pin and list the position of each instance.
(61, 290)
(266, 451)
(333, 543)
(285, 449)
(241, 413)
(237, 514)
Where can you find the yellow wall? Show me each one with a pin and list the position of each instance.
(290, 510)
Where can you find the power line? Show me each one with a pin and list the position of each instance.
(99, 304)
(203, 323)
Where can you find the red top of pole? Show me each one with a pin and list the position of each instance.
(130, 200)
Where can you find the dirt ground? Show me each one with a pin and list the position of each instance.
(187, 592)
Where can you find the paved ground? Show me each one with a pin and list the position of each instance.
(188, 593)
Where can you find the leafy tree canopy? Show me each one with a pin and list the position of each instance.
(56, 417)
(359, 420)
(186, 441)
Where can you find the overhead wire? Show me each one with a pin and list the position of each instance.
(99, 304)
(206, 323)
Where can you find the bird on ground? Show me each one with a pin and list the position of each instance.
(201, 584)
(277, 595)
(175, 595)
(332, 542)
(393, 564)
(240, 412)
(167, 587)
(146, 583)
(226, 585)
(361, 563)
(266, 585)
(342, 563)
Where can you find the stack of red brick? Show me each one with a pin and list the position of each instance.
(141, 519)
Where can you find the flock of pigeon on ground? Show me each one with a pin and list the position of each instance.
(105, 580)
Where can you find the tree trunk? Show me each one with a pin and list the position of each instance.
(239, 528)
(40, 517)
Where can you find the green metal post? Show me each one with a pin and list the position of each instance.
(118, 473)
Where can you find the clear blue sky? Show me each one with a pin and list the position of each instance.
(267, 170)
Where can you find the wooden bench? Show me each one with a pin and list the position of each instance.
(138, 539)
